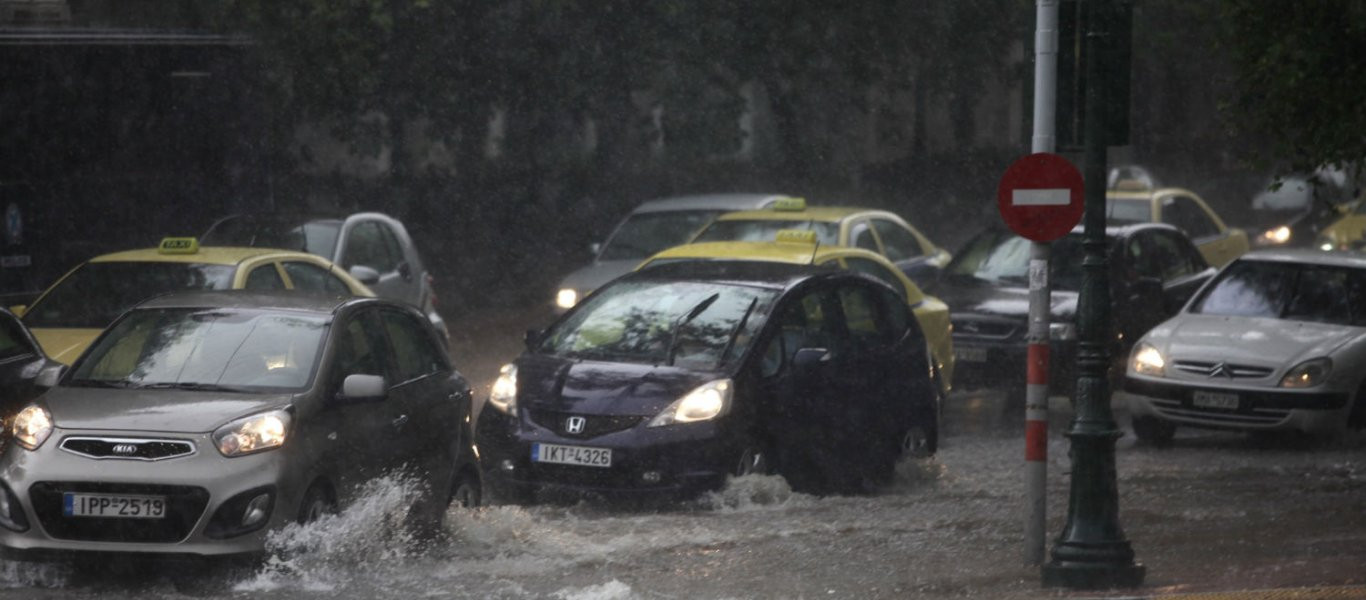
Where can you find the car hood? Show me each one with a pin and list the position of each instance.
(1253, 340)
(1003, 301)
(171, 411)
(64, 345)
(602, 388)
(597, 274)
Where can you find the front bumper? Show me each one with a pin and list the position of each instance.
(675, 460)
(1258, 408)
(195, 486)
(1001, 364)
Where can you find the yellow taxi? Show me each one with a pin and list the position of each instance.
(802, 247)
(1132, 201)
(877, 231)
(71, 314)
(1346, 233)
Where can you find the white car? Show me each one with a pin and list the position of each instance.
(1275, 342)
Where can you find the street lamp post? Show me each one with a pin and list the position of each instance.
(1092, 552)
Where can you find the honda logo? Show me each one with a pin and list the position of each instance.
(125, 449)
(574, 424)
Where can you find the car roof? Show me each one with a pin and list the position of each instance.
(827, 214)
(792, 253)
(743, 272)
(1145, 194)
(213, 255)
(1354, 260)
(251, 299)
(726, 202)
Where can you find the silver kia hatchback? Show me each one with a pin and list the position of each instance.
(200, 421)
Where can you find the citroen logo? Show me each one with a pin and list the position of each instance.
(574, 424)
(125, 449)
(1221, 369)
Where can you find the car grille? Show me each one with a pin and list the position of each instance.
(129, 449)
(1257, 416)
(185, 504)
(985, 328)
(594, 425)
(1220, 369)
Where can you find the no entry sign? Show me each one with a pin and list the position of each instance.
(1040, 197)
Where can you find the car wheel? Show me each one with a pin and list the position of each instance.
(752, 460)
(917, 442)
(317, 503)
(466, 492)
(1153, 430)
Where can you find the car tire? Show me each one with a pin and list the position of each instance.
(752, 459)
(1152, 430)
(317, 503)
(466, 491)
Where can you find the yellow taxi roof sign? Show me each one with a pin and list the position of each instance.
(178, 245)
(789, 204)
(795, 236)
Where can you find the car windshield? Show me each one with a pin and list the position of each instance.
(643, 234)
(205, 349)
(766, 230)
(1125, 211)
(96, 293)
(316, 237)
(1001, 257)
(701, 325)
(1294, 292)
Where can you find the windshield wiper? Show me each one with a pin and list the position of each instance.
(104, 383)
(684, 320)
(735, 332)
(192, 385)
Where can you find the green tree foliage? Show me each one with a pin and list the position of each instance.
(1301, 79)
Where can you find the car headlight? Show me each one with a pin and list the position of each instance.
(1148, 361)
(32, 426)
(567, 298)
(256, 433)
(1276, 235)
(503, 396)
(1308, 373)
(707, 402)
(1062, 331)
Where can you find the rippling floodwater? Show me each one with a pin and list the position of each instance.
(949, 527)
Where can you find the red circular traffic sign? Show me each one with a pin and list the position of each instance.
(1040, 196)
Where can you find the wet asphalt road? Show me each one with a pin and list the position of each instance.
(1215, 511)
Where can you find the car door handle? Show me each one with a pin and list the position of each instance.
(399, 422)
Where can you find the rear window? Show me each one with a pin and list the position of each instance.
(644, 234)
(1125, 212)
(97, 293)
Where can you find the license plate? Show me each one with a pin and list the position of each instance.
(970, 354)
(1215, 400)
(571, 455)
(113, 506)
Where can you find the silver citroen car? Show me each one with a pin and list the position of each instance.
(199, 421)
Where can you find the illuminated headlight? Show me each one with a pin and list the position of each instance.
(1062, 331)
(1326, 245)
(567, 298)
(1308, 373)
(32, 426)
(256, 433)
(1278, 235)
(707, 402)
(504, 394)
(1148, 361)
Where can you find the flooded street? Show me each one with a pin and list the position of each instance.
(1215, 511)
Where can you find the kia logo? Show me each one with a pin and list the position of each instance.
(574, 424)
(125, 449)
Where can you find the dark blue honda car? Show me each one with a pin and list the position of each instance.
(672, 378)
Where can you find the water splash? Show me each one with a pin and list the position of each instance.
(17, 574)
(612, 590)
(754, 492)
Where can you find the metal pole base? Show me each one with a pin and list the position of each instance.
(1092, 576)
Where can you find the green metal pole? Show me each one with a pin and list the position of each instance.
(1092, 552)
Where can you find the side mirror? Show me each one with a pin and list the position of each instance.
(18, 309)
(360, 388)
(595, 248)
(809, 358)
(532, 337)
(364, 274)
(49, 376)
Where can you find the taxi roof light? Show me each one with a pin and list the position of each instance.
(178, 245)
(795, 236)
(789, 204)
